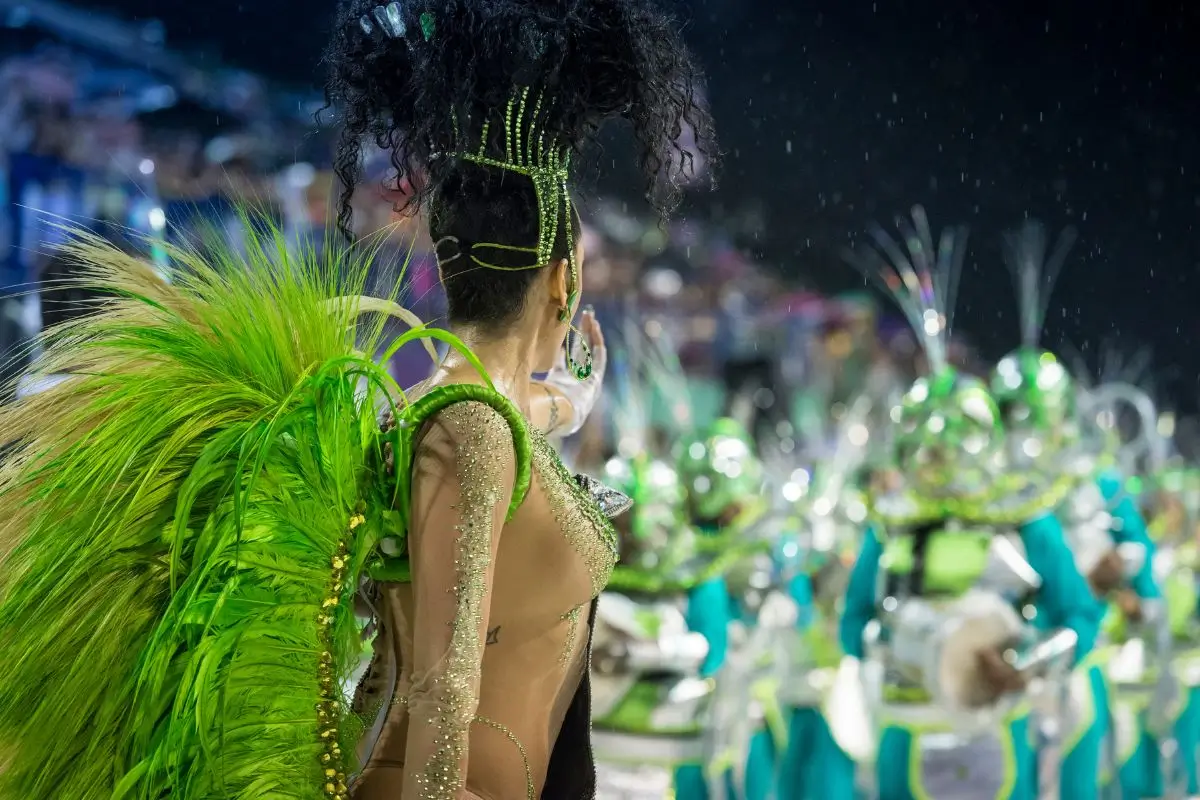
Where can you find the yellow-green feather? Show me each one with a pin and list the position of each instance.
(168, 519)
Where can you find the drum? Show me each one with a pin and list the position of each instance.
(934, 648)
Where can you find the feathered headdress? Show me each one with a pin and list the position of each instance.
(923, 281)
(1034, 275)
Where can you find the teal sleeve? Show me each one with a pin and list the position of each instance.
(860, 596)
(709, 612)
(1064, 598)
(1129, 526)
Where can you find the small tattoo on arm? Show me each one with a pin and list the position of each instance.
(493, 636)
(553, 424)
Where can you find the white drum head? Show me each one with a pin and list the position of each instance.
(979, 621)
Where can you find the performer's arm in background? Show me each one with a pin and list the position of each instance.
(1129, 526)
(1064, 597)
(860, 595)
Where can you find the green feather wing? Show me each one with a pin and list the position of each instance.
(183, 527)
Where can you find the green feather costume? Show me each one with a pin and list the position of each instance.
(185, 523)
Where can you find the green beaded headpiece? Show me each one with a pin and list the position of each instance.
(547, 164)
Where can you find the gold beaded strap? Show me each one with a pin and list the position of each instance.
(329, 709)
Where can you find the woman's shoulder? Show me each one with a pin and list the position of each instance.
(451, 426)
(464, 419)
(474, 422)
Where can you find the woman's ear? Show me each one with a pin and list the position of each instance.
(559, 276)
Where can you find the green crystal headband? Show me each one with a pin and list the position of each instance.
(547, 165)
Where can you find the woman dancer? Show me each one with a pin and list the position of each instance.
(189, 526)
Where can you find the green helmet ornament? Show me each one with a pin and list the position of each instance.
(720, 470)
(1032, 387)
(1037, 400)
(950, 441)
(656, 518)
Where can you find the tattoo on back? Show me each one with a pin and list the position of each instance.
(493, 636)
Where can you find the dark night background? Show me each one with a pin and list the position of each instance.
(839, 112)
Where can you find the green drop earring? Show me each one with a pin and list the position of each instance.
(581, 369)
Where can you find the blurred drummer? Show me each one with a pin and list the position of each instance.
(1106, 534)
(964, 592)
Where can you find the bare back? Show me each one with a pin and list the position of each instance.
(490, 638)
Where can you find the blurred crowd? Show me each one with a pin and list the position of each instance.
(139, 160)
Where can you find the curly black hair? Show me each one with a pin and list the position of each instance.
(459, 60)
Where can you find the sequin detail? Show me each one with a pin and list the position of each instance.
(582, 522)
(612, 503)
(530, 793)
(482, 436)
(572, 618)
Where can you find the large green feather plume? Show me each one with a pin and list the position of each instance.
(183, 525)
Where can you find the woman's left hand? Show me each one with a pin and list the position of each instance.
(582, 395)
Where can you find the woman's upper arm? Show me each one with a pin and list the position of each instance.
(463, 477)
(549, 411)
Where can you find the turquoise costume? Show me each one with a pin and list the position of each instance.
(1038, 401)
(1173, 528)
(964, 578)
(814, 766)
(901, 746)
(1150, 724)
(674, 688)
(723, 479)
(816, 569)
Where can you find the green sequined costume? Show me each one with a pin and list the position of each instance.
(184, 526)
